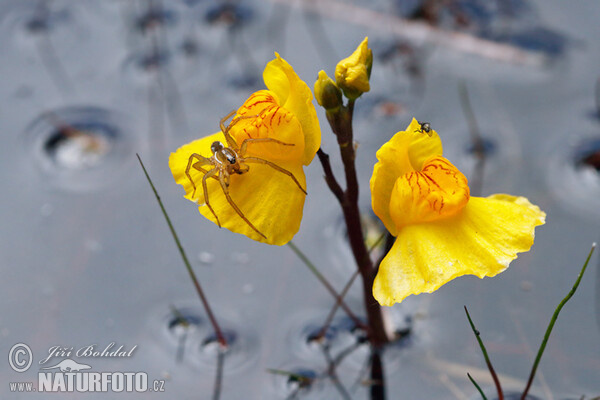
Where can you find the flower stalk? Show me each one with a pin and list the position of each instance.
(341, 124)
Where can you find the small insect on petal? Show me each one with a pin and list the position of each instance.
(425, 127)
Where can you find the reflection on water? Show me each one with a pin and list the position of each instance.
(78, 148)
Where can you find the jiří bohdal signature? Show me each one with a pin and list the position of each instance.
(92, 351)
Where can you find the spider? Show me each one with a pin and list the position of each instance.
(425, 127)
(231, 160)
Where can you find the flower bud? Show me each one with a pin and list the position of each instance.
(352, 73)
(328, 95)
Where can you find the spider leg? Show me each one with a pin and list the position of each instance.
(202, 161)
(225, 129)
(235, 207)
(275, 167)
(209, 174)
(225, 118)
(261, 140)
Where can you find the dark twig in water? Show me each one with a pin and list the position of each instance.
(362, 373)
(181, 345)
(326, 283)
(377, 378)
(476, 139)
(553, 321)
(476, 386)
(219, 374)
(331, 372)
(338, 302)
(343, 293)
(213, 320)
(487, 359)
(346, 352)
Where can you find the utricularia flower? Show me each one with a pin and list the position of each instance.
(270, 196)
(441, 231)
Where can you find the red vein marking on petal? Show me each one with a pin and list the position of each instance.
(430, 179)
(274, 113)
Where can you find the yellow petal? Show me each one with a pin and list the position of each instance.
(439, 190)
(405, 152)
(261, 118)
(269, 199)
(178, 163)
(481, 240)
(422, 145)
(294, 95)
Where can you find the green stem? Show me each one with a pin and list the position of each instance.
(299, 377)
(487, 359)
(203, 299)
(477, 386)
(553, 321)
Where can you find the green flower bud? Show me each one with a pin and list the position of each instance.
(328, 95)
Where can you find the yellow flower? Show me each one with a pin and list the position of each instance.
(442, 232)
(352, 73)
(270, 196)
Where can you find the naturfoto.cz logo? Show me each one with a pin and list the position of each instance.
(69, 375)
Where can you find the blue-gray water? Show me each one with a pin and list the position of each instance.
(87, 259)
